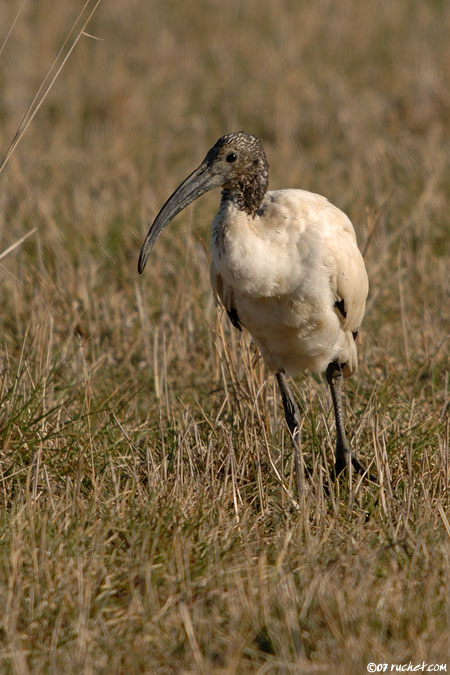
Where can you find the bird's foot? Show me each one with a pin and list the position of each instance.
(345, 457)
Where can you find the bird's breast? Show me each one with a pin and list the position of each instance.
(260, 255)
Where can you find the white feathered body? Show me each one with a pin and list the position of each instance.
(282, 272)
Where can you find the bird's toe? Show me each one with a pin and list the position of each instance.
(343, 458)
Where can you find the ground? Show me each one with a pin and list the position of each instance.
(148, 518)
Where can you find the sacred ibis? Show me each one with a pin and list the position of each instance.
(286, 266)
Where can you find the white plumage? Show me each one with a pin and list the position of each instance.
(283, 271)
(286, 266)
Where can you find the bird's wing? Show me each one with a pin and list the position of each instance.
(224, 293)
(309, 218)
(348, 277)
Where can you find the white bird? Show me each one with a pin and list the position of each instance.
(286, 266)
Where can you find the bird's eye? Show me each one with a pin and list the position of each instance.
(231, 157)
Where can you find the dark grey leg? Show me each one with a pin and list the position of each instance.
(292, 414)
(344, 454)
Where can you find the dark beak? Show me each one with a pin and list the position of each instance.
(196, 184)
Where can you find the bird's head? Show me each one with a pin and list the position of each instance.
(237, 163)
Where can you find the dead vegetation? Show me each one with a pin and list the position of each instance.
(146, 522)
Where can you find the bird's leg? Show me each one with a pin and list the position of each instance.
(292, 414)
(344, 454)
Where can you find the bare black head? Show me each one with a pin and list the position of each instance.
(237, 163)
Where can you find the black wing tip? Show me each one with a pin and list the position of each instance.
(233, 316)
(341, 307)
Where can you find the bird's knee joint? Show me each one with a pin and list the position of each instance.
(334, 371)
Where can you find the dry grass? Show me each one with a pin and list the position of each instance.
(146, 521)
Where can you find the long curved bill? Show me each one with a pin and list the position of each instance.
(195, 185)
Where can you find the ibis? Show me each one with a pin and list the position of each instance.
(286, 266)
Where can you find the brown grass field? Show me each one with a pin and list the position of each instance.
(147, 519)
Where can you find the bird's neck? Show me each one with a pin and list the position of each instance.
(247, 192)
